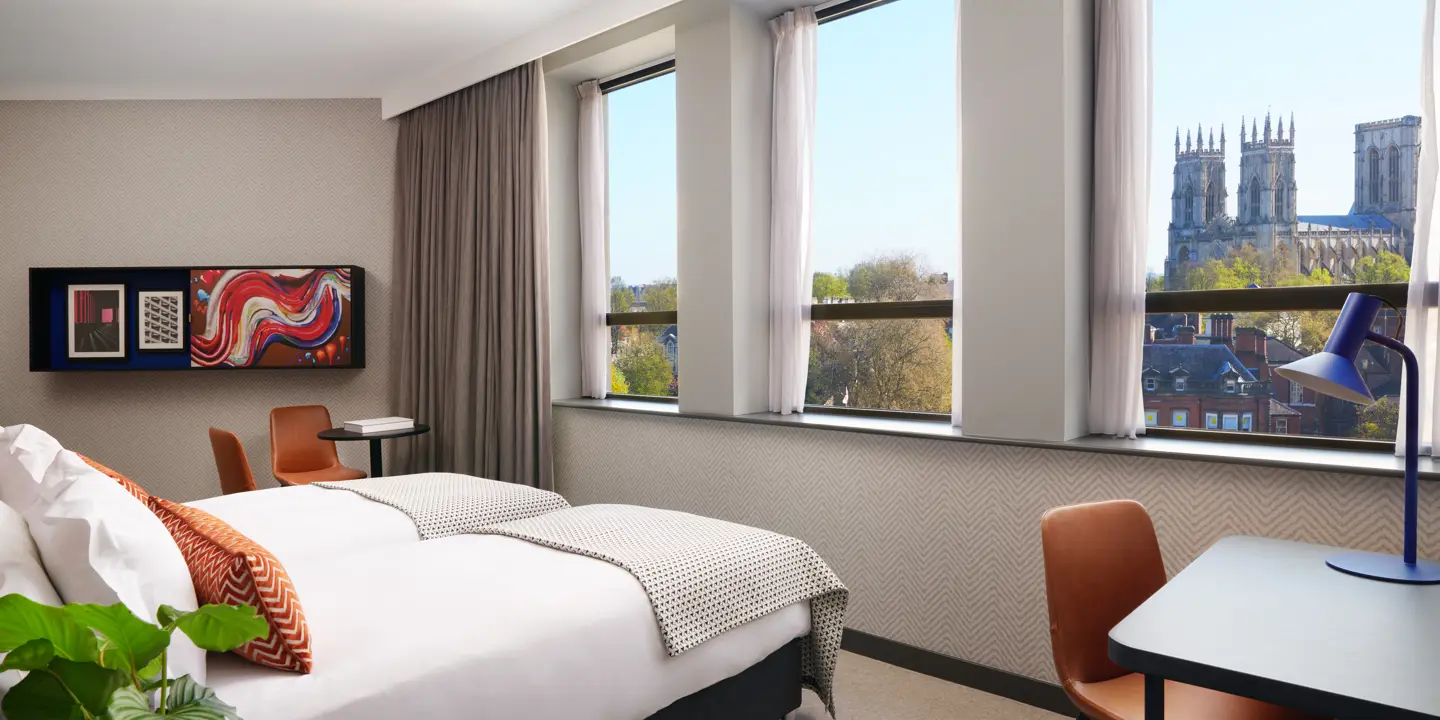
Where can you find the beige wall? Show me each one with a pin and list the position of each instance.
(939, 541)
(190, 183)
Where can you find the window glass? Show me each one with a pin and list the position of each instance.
(1212, 421)
(1304, 191)
(1152, 418)
(1179, 418)
(642, 249)
(886, 204)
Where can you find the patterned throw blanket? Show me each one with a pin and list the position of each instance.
(703, 576)
(444, 504)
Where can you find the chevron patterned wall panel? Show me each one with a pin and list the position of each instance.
(939, 541)
(190, 182)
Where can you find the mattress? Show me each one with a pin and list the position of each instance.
(484, 627)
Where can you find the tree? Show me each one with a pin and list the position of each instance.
(1154, 283)
(646, 369)
(828, 286)
(1386, 267)
(662, 295)
(889, 278)
(1378, 421)
(621, 296)
(617, 381)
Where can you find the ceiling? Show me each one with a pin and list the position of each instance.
(154, 49)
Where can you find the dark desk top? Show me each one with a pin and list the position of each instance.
(343, 435)
(1268, 619)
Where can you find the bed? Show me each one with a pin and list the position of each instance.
(482, 626)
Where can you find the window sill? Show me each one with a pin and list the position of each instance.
(1359, 462)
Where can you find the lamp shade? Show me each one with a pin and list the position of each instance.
(1333, 371)
(1329, 374)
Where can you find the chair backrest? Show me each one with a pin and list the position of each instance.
(294, 446)
(1102, 560)
(230, 460)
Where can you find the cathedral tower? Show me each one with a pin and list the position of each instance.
(1387, 161)
(1198, 199)
(1266, 199)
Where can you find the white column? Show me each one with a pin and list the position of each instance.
(1027, 133)
(723, 92)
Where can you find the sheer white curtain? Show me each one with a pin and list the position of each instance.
(1422, 326)
(792, 207)
(956, 351)
(594, 224)
(1119, 223)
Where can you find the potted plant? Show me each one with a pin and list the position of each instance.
(93, 662)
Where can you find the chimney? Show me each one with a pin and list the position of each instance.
(1222, 327)
(1185, 335)
(1250, 349)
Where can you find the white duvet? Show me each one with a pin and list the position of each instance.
(462, 627)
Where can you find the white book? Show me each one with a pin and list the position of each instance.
(376, 425)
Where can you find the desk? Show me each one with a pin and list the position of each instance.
(377, 459)
(1269, 620)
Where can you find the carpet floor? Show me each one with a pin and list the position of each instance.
(868, 689)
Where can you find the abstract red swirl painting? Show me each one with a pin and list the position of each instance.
(297, 317)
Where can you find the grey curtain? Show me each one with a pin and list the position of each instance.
(472, 282)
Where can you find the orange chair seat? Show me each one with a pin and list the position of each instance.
(1124, 699)
(330, 474)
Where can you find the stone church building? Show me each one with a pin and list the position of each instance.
(1382, 217)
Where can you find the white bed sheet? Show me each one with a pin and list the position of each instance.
(298, 522)
(484, 627)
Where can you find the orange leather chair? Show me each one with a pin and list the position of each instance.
(297, 455)
(230, 460)
(1102, 560)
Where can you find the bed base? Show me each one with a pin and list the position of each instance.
(767, 690)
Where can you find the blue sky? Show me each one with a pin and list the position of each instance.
(885, 146)
(1333, 63)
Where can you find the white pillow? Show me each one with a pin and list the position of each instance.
(26, 452)
(101, 545)
(20, 572)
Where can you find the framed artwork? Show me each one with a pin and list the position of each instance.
(161, 314)
(95, 321)
(266, 317)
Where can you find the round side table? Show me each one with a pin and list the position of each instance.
(377, 460)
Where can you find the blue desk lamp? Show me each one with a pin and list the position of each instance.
(1333, 373)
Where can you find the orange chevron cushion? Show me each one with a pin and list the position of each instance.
(125, 482)
(232, 569)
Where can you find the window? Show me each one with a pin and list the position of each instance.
(1179, 418)
(886, 209)
(1189, 204)
(1152, 418)
(1273, 271)
(1374, 176)
(1179, 384)
(1151, 384)
(1394, 195)
(644, 336)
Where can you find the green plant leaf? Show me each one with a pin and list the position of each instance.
(23, 620)
(189, 699)
(32, 655)
(133, 643)
(151, 671)
(130, 704)
(167, 616)
(92, 685)
(222, 628)
(40, 696)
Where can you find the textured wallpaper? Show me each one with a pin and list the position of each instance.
(939, 541)
(190, 183)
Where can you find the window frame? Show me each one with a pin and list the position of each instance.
(1314, 297)
(649, 71)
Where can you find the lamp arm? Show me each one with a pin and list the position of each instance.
(1412, 439)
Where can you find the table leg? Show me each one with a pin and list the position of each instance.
(377, 459)
(1154, 697)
